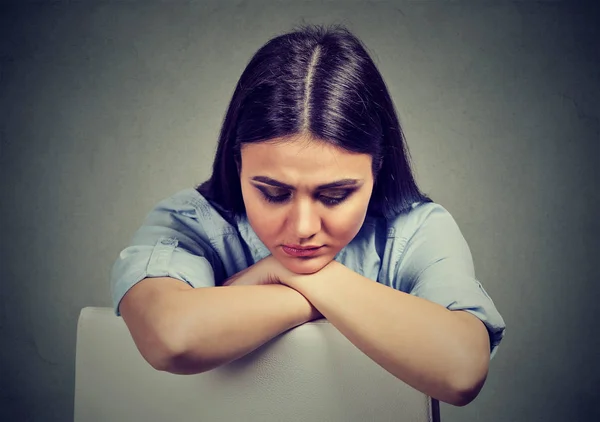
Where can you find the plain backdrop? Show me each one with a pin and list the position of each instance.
(108, 107)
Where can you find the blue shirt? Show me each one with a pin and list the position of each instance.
(421, 252)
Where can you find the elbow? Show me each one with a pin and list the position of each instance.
(164, 355)
(175, 358)
(164, 362)
(163, 351)
(465, 389)
(462, 397)
(181, 364)
(456, 396)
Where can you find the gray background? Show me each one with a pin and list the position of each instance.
(108, 107)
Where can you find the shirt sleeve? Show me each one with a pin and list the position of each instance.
(170, 243)
(439, 267)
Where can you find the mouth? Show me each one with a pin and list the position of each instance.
(301, 251)
(298, 247)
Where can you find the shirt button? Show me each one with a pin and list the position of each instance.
(168, 241)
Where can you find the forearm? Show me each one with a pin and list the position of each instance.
(436, 351)
(220, 324)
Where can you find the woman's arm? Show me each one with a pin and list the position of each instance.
(183, 330)
(441, 353)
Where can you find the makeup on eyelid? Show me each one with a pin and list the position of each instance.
(343, 194)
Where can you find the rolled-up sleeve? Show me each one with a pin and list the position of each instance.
(170, 243)
(438, 266)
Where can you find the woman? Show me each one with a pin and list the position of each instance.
(311, 211)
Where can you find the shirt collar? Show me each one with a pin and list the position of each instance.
(257, 247)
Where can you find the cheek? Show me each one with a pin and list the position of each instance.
(255, 208)
(343, 226)
(261, 222)
(264, 221)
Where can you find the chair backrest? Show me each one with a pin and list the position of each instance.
(309, 373)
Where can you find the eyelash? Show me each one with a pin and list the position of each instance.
(330, 202)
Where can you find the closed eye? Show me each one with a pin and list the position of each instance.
(335, 199)
(329, 200)
(276, 198)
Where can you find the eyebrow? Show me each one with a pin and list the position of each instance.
(336, 184)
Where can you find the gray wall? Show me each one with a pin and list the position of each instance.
(108, 107)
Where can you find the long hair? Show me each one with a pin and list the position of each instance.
(321, 82)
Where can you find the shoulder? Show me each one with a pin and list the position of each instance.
(430, 232)
(185, 200)
(416, 238)
(187, 212)
(421, 218)
(190, 198)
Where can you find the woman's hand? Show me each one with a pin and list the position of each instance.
(269, 271)
(266, 271)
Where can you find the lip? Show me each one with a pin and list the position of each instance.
(303, 247)
(303, 251)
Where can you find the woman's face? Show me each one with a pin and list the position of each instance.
(302, 212)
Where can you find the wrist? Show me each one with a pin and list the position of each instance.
(302, 282)
(304, 311)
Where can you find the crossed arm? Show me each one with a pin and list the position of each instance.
(179, 329)
(443, 353)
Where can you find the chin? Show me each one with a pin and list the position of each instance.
(305, 266)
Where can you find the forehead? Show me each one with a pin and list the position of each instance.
(302, 157)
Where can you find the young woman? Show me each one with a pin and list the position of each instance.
(311, 211)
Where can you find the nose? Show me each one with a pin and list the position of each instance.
(304, 219)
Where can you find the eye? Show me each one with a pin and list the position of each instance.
(269, 197)
(331, 201)
(336, 197)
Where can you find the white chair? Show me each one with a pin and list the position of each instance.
(309, 373)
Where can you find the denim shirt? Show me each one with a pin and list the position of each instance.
(421, 252)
